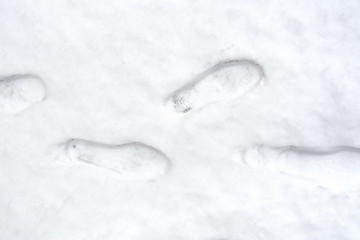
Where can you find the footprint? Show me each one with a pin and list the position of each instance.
(226, 80)
(18, 92)
(336, 164)
(132, 161)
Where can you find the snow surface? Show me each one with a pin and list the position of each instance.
(108, 67)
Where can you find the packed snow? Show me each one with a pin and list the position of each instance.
(201, 120)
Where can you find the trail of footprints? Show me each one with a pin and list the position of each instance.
(138, 161)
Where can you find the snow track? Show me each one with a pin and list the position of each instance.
(18, 92)
(132, 161)
(340, 164)
(226, 80)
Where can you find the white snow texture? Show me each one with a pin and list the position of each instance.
(183, 77)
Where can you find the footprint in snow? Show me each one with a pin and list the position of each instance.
(131, 161)
(226, 80)
(18, 92)
(337, 165)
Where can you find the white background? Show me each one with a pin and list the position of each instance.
(109, 65)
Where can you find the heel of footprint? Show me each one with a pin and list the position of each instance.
(18, 92)
(250, 156)
(131, 161)
(226, 80)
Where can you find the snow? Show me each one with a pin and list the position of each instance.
(108, 67)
